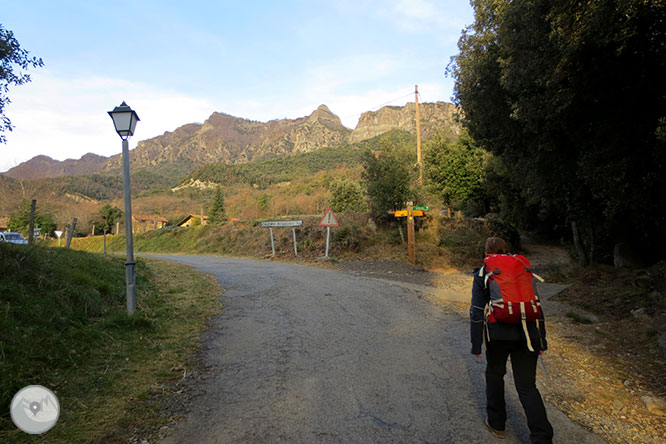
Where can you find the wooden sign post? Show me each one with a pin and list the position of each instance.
(31, 229)
(410, 213)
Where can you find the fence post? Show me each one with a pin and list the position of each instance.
(70, 233)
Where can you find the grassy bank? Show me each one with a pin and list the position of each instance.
(64, 325)
(440, 242)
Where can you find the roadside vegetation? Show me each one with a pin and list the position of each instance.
(64, 325)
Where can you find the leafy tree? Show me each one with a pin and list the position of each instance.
(109, 215)
(347, 196)
(386, 181)
(570, 94)
(216, 212)
(454, 169)
(13, 61)
(20, 221)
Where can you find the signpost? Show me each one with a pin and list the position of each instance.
(282, 223)
(58, 233)
(404, 213)
(329, 220)
(410, 213)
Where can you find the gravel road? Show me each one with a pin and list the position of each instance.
(309, 355)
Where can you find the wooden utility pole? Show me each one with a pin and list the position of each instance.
(70, 233)
(410, 233)
(418, 135)
(31, 225)
(411, 212)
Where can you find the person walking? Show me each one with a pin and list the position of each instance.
(522, 342)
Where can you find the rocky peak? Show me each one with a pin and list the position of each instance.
(323, 108)
(438, 116)
(324, 115)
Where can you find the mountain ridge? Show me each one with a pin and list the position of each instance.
(229, 139)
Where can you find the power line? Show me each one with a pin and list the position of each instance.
(379, 106)
(391, 101)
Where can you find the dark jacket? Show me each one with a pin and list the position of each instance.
(498, 330)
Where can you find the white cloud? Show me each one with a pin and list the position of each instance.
(67, 117)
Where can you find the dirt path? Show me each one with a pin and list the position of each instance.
(307, 355)
(589, 377)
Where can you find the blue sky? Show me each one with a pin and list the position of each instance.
(176, 62)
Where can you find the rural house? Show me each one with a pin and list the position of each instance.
(193, 219)
(141, 224)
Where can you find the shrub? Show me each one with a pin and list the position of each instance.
(349, 238)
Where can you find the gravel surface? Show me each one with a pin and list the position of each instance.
(309, 355)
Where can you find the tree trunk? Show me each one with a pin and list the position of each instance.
(580, 251)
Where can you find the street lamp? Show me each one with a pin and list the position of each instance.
(124, 119)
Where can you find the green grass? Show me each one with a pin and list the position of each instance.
(64, 325)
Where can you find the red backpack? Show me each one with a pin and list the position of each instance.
(513, 295)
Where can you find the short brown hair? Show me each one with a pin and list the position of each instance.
(496, 245)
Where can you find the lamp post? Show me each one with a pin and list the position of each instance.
(124, 119)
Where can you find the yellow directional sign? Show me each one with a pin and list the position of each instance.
(403, 213)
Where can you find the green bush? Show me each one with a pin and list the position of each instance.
(350, 238)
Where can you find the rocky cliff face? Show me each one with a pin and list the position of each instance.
(229, 139)
(439, 116)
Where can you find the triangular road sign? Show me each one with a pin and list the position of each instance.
(329, 219)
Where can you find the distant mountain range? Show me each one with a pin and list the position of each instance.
(227, 139)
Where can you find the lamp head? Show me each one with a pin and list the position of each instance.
(124, 119)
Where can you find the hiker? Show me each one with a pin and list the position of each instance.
(508, 339)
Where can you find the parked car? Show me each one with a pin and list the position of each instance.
(13, 237)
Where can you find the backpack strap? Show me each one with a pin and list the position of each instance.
(524, 322)
(486, 331)
(540, 336)
(485, 279)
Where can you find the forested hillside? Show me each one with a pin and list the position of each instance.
(282, 169)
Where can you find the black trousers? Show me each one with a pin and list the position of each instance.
(523, 363)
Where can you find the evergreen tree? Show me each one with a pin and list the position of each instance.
(216, 211)
(20, 221)
(109, 215)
